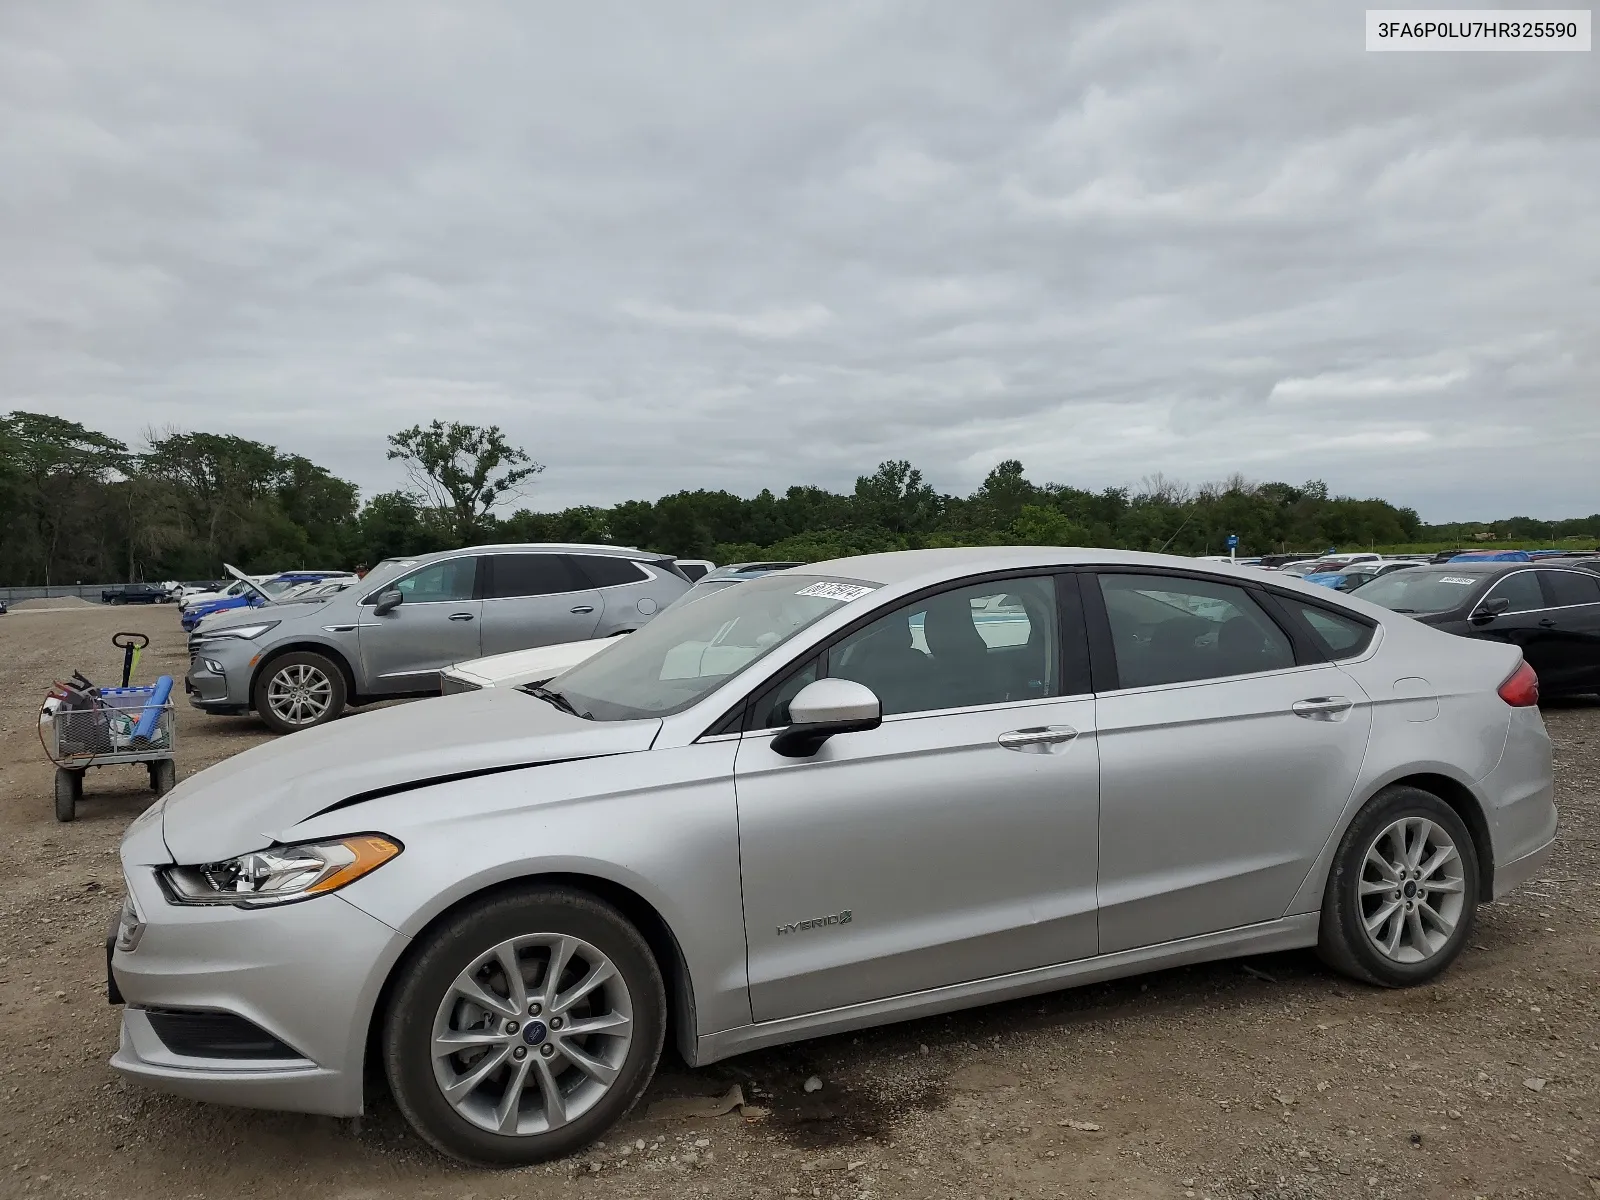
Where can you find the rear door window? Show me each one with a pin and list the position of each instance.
(533, 575)
(1173, 630)
(1564, 589)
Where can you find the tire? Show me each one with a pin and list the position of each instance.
(69, 790)
(1377, 866)
(163, 776)
(299, 684)
(463, 947)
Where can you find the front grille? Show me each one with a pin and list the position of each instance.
(195, 1034)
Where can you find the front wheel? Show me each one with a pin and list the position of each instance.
(1403, 891)
(299, 691)
(69, 790)
(525, 1027)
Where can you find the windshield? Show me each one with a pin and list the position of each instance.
(690, 650)
(701, 590)
(1420, 590)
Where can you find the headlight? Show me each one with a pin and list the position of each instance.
(242, 631)
(281, 874)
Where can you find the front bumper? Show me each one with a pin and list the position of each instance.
(307, 974)
(215, 683)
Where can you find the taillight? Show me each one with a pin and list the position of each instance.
(1522, 689)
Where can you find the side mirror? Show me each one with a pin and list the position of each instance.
(1490, 609)
(823, 709)
(388, 602)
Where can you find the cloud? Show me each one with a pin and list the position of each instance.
(1364, 387)
(758, 246)
(767, 323)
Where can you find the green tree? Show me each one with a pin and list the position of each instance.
(464, 470)
(56, 474)
(895, 498)
(1038, 525)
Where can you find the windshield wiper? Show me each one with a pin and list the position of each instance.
(556, 699)
(1403, 610)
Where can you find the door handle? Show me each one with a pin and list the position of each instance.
(1321, 708)
(1547, 623)
(1037, 735)
(583, 608)
(461, 616)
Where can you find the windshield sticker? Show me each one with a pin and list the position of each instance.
(1466, 579)
(844, 592)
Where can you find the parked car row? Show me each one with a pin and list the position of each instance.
(809, 800)
(299, 659)
(252, 592)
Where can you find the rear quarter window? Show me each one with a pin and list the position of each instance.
(1338, 634)
(605, 571)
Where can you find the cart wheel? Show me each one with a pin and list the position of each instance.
(69, 790)
(163, 776)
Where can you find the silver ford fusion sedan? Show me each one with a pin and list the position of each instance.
(851, 793)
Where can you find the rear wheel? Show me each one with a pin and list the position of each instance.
(300, 690)
(163, 776)
(69, 790)
(525, 1027)
(1403, 892)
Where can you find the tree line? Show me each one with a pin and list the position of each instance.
(79, 505)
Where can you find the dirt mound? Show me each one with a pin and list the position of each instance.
(53, 602)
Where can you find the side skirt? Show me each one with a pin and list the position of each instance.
(1286, 933)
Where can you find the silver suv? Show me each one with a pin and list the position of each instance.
(298, 664)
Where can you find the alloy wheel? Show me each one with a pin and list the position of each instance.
(532, 1034)
(300, 694)
(1412, 890)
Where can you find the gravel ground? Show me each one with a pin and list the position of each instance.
(1267, 1077)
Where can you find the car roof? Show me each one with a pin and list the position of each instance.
(909, 566)
(512, 547)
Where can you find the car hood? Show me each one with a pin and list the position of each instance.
(256, 798)
(525, 666)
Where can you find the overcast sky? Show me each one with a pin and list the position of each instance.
(678, 245)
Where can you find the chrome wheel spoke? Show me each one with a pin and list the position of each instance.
(481, 1070)
(560, 955)
(600, 973)
(592, 1067)
(454, 1041)
(1391, 944)
(1449, 887)
(1438, 859)
(470, 988)
(506, 954)
(1440, 922)
(511, 1103)
(1377, 920)
(1370, 887)
(1382, 865)
(610, 1025)
(1418, 842)
(1417, 935)
(555, 1104)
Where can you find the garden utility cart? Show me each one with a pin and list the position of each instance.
(83, 726)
